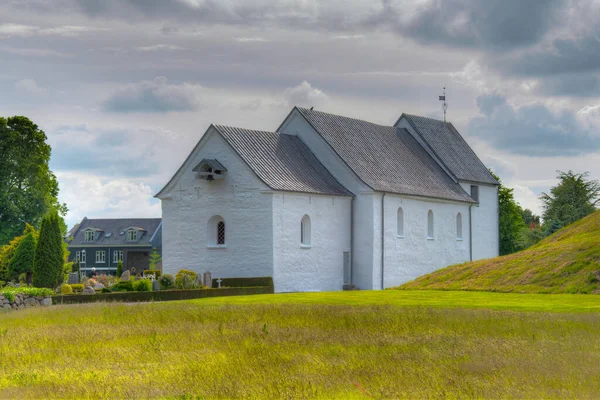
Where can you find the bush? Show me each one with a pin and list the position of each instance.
(167, 282)
(157, 273)
(186, 279)
(22, 261)
(77, 287)
(123, 286)
(119, 269)
(107, 280)
(90, 282)
(105, 290)
(143, 285)
(66, 289)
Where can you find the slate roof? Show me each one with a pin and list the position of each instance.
(386, 158)
(452, 149)
(282, 162)
(115, 227)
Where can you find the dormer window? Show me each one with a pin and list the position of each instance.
(90, 236)
(132, 235)
(210, 170)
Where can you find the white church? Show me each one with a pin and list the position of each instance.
(327, 202)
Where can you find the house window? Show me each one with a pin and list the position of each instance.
(475, 193)
(400, 222)
(83, 257)
(132, 235)
(459, 227)
(430, 225)
(89, 236)
(100, 257)
(117, 256)
(78, 256)
(216, 231)
(305, 231)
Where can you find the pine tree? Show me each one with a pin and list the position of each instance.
(22, 262)
(119, 269)
(154, 259)
(48, 262)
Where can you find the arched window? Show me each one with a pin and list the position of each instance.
(430, 225)
(305, 231)
(216, 231)
(459, 231)
(400, 222)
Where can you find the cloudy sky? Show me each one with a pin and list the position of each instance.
(125, 88)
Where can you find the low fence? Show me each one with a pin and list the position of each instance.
(163, 295)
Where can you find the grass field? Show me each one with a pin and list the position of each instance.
(565, 262)
(400, 344)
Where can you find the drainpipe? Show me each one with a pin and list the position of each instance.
(382, 240)
(470, 233)
(351, 239)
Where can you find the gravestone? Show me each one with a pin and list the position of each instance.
(207, 279)
(126, 276)
(219, 282)
(73, 278)
(155, 286)
(88, 290)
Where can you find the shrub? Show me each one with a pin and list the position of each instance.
(105, 290)
(66, 289)
(186, 279)
(157, 273)
(143, 285)
(167, 282)
(90, 282)
(76, 266)
(49, 256)
(22, 261)
(107, 280)
(119, 269)
(77, 287)
(123, 286)
(154, 259)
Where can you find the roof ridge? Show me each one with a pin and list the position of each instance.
(244, 129)
(429, 118)
(303, 109)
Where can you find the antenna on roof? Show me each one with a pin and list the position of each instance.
(444, 104)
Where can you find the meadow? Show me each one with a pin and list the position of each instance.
(386, 344)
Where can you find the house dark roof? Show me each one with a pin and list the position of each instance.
(386, 158)
(452, 149)
(282, 162)
(113, 228)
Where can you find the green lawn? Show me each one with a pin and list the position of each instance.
(400, 344)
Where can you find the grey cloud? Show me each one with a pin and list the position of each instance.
(575, 85)
(156, 96)
(304, 94)
(533, 129)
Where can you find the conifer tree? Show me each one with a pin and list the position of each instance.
(22, 262)
(48, 262)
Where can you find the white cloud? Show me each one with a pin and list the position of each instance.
(19, 30)
(30, 86)
(250, 39)
(158, 47)
(304, 95)
(156, 96)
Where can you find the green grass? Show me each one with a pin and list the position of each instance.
(391, 344)
(566, 262)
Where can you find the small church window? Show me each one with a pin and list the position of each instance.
(83, 256)
(475, 193)
(216, 231)
(400, 222)
(305, 231)
(221, 232)
(459, 227)
(430, 225)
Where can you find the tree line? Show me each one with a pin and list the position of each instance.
(574, 197)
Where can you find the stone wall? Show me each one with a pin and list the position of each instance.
(24, 301)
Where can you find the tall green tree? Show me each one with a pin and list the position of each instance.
(28, 189)
(22, 262)
(8, 252)
(573, 198)
(49, 256)
(510, 219)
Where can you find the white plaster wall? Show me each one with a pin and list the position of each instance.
(414, 254)
(362, 259)
(240, 199)
(486, 236)
(320, 267)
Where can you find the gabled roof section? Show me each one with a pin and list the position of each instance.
(282, 162)
(451, 148)
(386, 158)
(214, 164)
(112, 229)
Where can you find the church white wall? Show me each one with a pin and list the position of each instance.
(320, 267)
(414, 255)
(362, 259)
(486, 236)
(240, 199)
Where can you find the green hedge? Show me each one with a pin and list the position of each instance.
(163, 295)
(243, 282)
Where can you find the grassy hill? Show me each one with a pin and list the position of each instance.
(565, 262)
